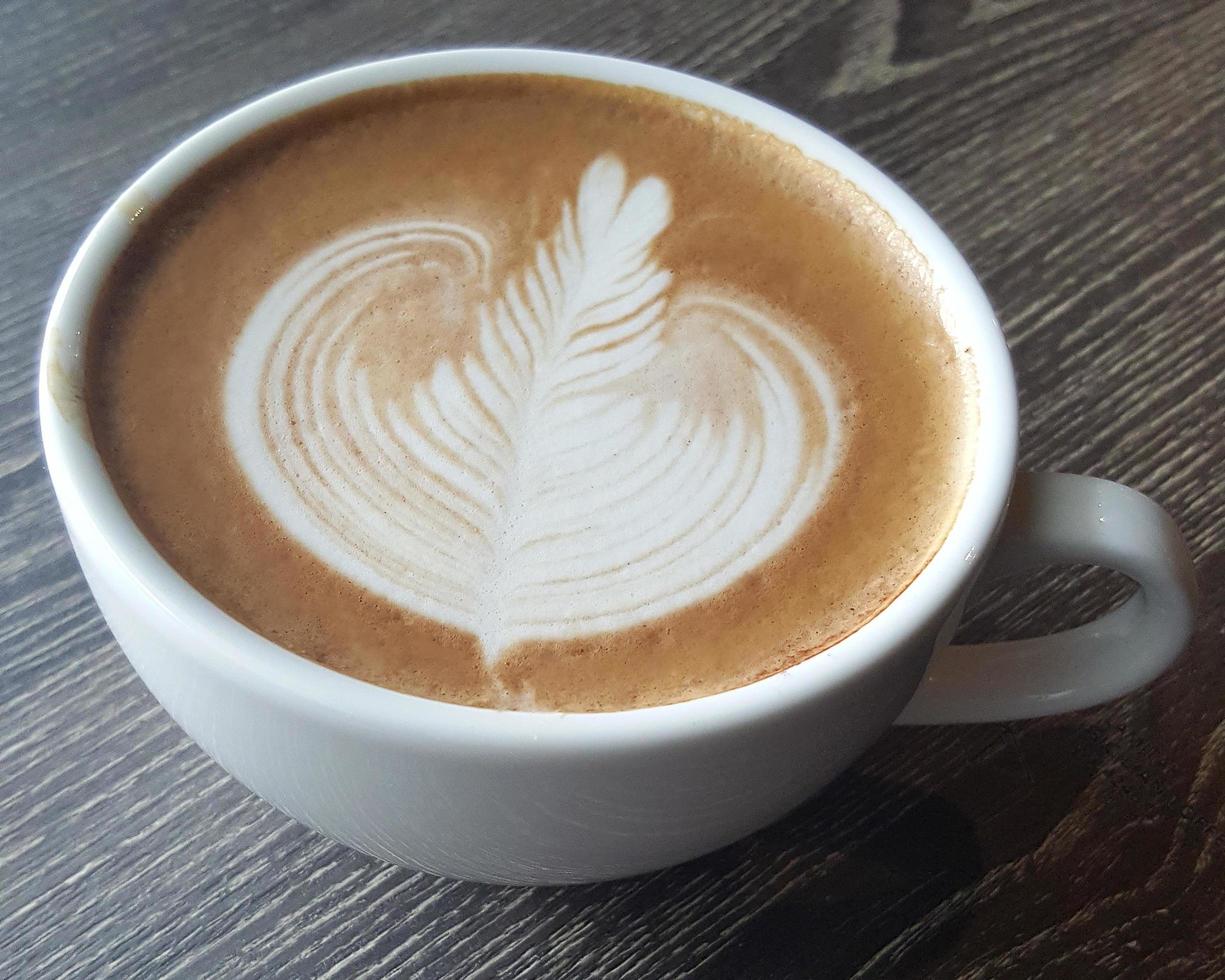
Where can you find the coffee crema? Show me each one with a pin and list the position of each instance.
(531, 392)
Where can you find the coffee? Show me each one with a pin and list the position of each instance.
(531, 392)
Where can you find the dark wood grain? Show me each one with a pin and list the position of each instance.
(1074, 151)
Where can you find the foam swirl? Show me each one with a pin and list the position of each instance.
(609, 450)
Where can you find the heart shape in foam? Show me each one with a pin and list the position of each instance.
(611, 449)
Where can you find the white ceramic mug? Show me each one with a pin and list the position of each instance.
(534, 797)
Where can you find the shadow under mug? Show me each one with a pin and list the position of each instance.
(536, 797)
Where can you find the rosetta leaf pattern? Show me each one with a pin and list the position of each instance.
(528, 488)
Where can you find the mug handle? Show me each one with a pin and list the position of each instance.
(1061, 519)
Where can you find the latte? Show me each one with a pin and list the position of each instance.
(531, 392)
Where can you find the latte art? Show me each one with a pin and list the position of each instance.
(531, 392)
(616, 445)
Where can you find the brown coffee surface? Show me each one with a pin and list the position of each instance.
(521, 391)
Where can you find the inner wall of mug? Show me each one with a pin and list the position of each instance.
(966, 311)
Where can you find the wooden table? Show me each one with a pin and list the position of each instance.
(1074, 151)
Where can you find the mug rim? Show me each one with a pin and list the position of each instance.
(101, 524)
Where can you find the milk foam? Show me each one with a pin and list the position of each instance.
(545, 484)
